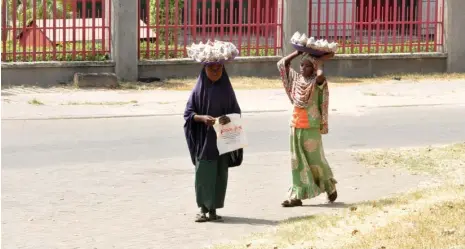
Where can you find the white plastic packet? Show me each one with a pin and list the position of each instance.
(230, 137)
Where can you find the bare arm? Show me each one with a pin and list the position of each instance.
(320, 77)
(288, 59)
(287, 73)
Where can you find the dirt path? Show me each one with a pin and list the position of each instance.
(150, 204)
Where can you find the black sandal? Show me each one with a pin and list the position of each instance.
(292, 203)
(213, 217)
(201, 217)
(332, 197)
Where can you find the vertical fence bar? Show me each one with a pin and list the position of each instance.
(402, 41)
(395, 27)
(354, 16)
(280, 13)
(94, 26)
(14, 36)
(222, 23)
(240, 26)
(63, 42)
(54, 41)
(267, 21)
(25, 27)
(369, 24)
(327, 19)
(257, 29)
(442, 24)
(44, 28)
(344, 26)
(166, 29)
(185, 28)
(336, 20)
(83, 21)
(231, 19)
(109, 25)
(411, 22)
(176, 27)
(139, 13)
(157, 29)
(147, 25)
(360, 26)
(310, 17)
(378, 23)
(428, 9)
(104, 18)
(204, 19)
(249, 22)
(214, 20)
(318, 21)
(387, 20)
(74, 33)
(419, 24)
(5, 30)
(193, 19)
(436, 24)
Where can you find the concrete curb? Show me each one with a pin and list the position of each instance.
(125, 116)
(359, 109)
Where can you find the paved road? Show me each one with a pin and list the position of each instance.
(127, 183)
(59, 142)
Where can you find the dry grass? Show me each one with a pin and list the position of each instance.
(435, 225)
(427, 218)
(251, 83)
(440, 161)
(103, 103)
(35, 102)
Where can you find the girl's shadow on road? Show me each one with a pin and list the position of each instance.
(248, 221)
(261, 222)
(329, 205)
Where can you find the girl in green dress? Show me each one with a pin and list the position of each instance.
(308, 93)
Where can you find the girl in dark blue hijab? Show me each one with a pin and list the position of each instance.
(212, 97)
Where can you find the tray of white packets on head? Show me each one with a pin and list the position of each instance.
(212, 52)
(312, 46)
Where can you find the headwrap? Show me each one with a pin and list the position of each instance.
(214, 99)
(304, 87)
(301, 90)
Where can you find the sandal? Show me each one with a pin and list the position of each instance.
(201, 217)
(332, 197)
(214, 217)
(292, 203)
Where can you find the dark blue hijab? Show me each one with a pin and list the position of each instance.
(214, 99)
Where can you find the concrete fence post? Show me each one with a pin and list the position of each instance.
(295, 18)
(124, 39)
(454, 20)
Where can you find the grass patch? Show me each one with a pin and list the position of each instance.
(35, 102)
(370, 94)
(103, 103)
(255, 83)
(437, 225)
(426, 218)
(440, 161)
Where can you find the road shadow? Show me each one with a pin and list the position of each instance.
(329, 205)
(248, 221)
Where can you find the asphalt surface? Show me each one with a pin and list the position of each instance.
(41, 143)
(128, 182)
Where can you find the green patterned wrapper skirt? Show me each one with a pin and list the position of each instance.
(211, 181)
(311, 174)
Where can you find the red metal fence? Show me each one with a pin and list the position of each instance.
(59, 30)
(379, 26)
(255, 26)
(73, 30)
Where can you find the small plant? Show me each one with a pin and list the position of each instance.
(35, 102)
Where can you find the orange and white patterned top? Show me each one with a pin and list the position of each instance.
(314, 112)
